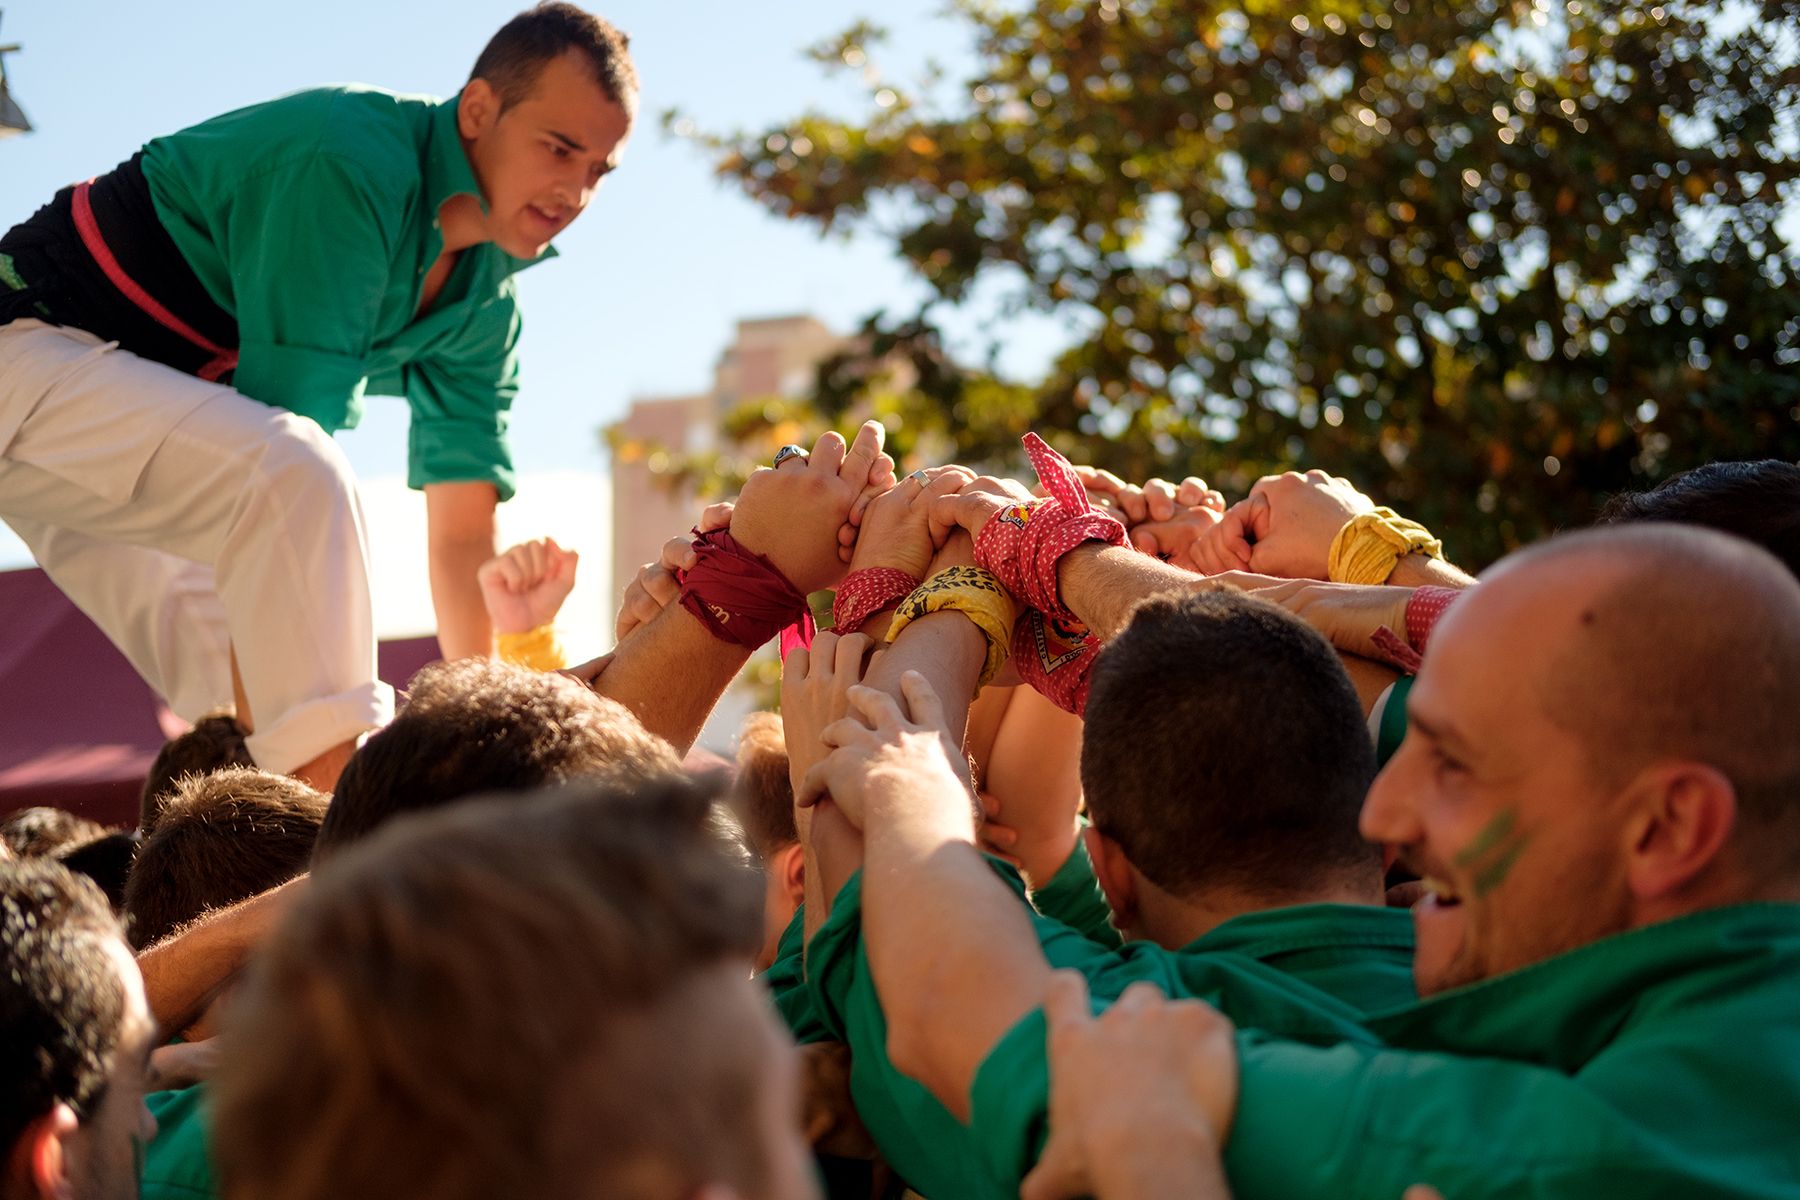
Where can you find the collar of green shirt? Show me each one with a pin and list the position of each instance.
(1564, 1010)
(448, 173)
(1306, 927)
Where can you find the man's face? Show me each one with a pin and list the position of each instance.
(540, 160)
(1491, 801)
(104, 1154)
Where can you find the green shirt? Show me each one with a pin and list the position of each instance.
(313, 220)
(1664, 1062)
(177, 1164)
(1073, 896)
(786, 981)
(1262, 968)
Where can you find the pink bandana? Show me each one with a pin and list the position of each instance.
(1023, 544)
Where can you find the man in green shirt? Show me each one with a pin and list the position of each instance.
(1599, 786)
(1231, 863)
(303, 251)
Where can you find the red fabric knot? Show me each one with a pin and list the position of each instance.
(865, 593)
(1396, 652)
(1023, 544)
(1056, 658)
(742, 597)
(1424, 608)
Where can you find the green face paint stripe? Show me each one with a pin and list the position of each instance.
(1495, 873)
(1495, 832)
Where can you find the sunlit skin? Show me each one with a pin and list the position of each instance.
(1491, 801)
(539, 161)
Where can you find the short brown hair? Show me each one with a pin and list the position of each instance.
(215, 741)
(477, 725)
(513, 57)
(221, 838)
(1225, 743)
(763, 795)
(62, 1007)
(503, 999)
(43, 831)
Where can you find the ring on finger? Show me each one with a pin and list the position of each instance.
(790, 451)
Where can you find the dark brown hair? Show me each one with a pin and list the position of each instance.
(216, 740)
(482, 726)
(1225, 744)
(526, 997)
(61, 1001)
(513, 57)
(220, 838)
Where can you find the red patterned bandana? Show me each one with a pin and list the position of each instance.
(741, 597)
(1023, 544)
(1056, 658)
(865, 593)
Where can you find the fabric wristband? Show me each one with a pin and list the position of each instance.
(539, 649)
(1366, 549)
(1056, 658)
(976, 594)
(865, 593)
(1423, 610)
(1023, 544)
(740, 596)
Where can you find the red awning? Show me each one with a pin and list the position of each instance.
(78, 726)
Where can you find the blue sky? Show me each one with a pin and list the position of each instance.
(652, 276)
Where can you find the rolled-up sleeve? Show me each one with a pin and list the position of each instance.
(462, 399)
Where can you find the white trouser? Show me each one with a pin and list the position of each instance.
(187, 520)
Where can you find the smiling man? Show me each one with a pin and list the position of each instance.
(1601, 785)
(179, 336)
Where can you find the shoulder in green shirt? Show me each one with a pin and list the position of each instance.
(1281, 968)
(313, 219)
(1664, 1062)
(786, 981)
(177, 1162)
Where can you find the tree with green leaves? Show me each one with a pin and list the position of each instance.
(1493, 260)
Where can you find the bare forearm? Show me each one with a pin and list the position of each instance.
(1034, 770)
(671, 673)
(952, 952)
(464, 630)
(184, 973)
(1422, 570)
(1101, 584)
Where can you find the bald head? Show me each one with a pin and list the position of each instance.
(1673, 642)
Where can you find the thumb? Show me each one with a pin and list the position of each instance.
(922, 701)
(1057, 1175)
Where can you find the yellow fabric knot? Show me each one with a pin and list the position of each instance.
(978, 595)
(1367, 548)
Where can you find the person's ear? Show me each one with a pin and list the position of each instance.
(39, 1160)
(1681, 816)
(1113, 872)
(477, 108)
(790, 869)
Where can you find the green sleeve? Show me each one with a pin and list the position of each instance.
(461, 400)
(1393, 720)
(926, 1146)
(1364, 1123)
(1073, 897)
(178, 1161)
(310, 247)
(786, 981)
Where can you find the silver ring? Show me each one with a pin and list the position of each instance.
(919, 477)
(789, 451)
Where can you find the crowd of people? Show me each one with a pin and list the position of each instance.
(1112, 839)
(1069, 866)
